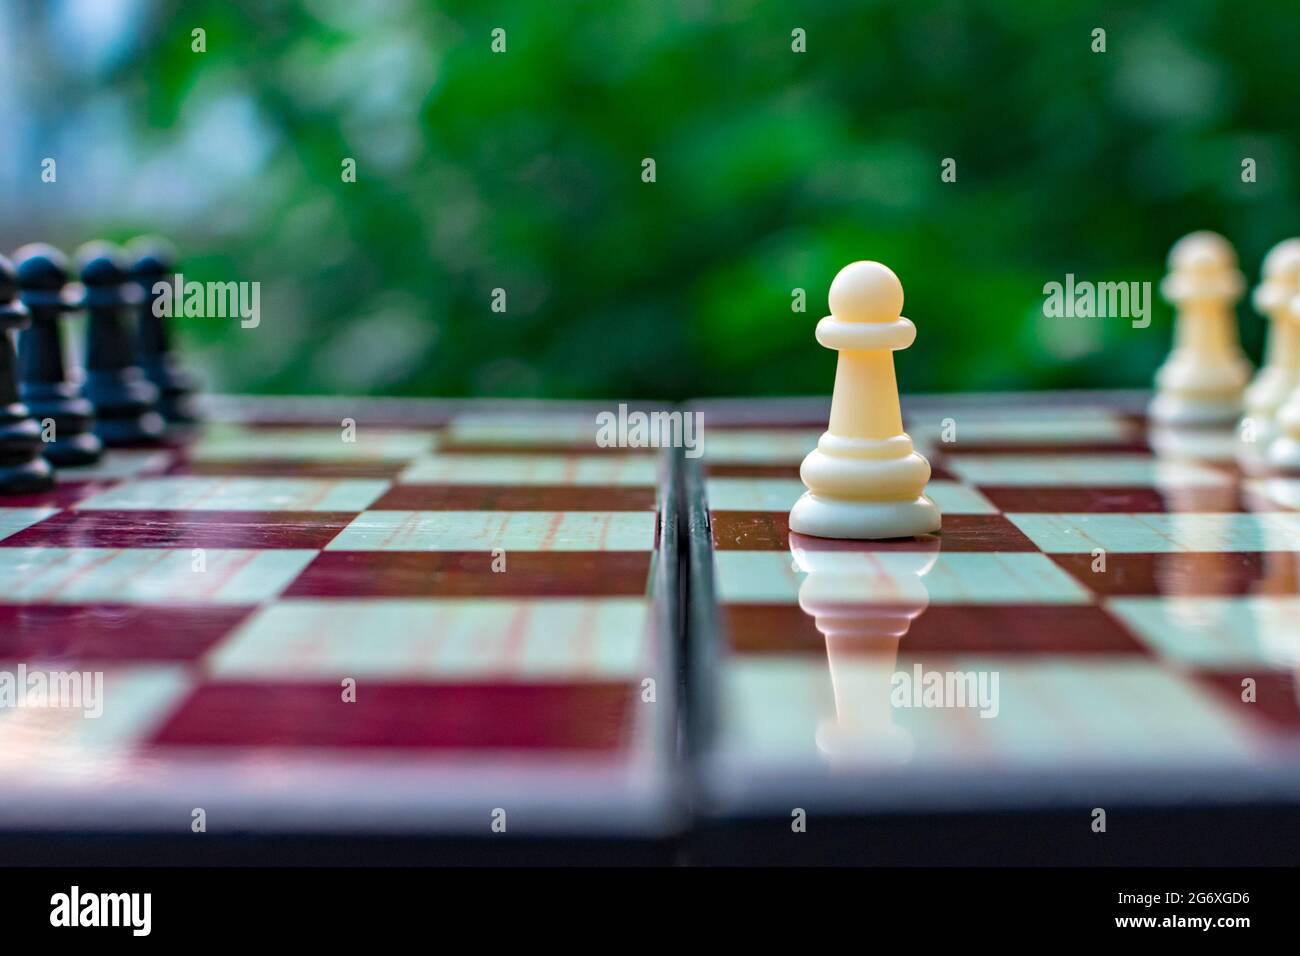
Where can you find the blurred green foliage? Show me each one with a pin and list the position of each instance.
(522, 171)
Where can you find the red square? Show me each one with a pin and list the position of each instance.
(790, 471)
(939, 629)
(1186, 573)
(63, 495)
(593, 716)
(1277, 696)
(769, 531)
(92, 528)
(113, 632)
(293, 468)
(414, 497)
(470, 574)
(1092, 500)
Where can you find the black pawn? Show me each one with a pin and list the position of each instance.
(22, 469)
(152, 261)
(124, 399)
(46, 389)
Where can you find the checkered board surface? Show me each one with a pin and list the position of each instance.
(489, 580)
(1118, 677)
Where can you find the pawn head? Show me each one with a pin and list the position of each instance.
(41, 268)
(12, 312)
(1282, 264)
(866, 291)
(104, 276)
(1202, 253)
(150, 258)
(8, 281)
(100, 264)
(1273, 296)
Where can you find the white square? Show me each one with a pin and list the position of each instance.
(1160, 533)
(780, 494)
(228, 444)
(489, 530)
(769, 577)
(488, 429)
(534, 639)
(147, 575)
(758, 446)
(495, 469)
(13, 520)
(1217, 631)
(1067, 713)
(1062, 471)
(66, 744)
(117, 464)
(197, 493)
(975, 427)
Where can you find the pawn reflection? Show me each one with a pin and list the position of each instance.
(863, 599)
(1197, 512)
(1201, 519)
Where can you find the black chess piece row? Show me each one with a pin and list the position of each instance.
(133, 385)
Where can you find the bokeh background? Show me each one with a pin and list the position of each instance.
(522, 171)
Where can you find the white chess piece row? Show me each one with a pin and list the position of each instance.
(1203, 383)
(866, 481)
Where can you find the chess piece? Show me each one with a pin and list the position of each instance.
(22, 469)
(864, 478)
(46, 388)
(1192, 443)
(1284, 450)
(152, 261)
(863, 603)
(124, 400)
(1274, 299)
(1201, 382)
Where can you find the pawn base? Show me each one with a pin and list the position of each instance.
(179, 409)
(1168, 408)
(144, 429)
(74, 451)
(1252, 456)
(1188, 443)
(1284, 454)
(31, 477)
(176, 389)
(863, 520)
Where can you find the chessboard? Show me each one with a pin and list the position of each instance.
(363, 628)
(358, 630)
(1097, 660)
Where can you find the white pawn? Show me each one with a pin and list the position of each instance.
(1201, 382)
(1274, 299)
(864, 478)
(1284, 451)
